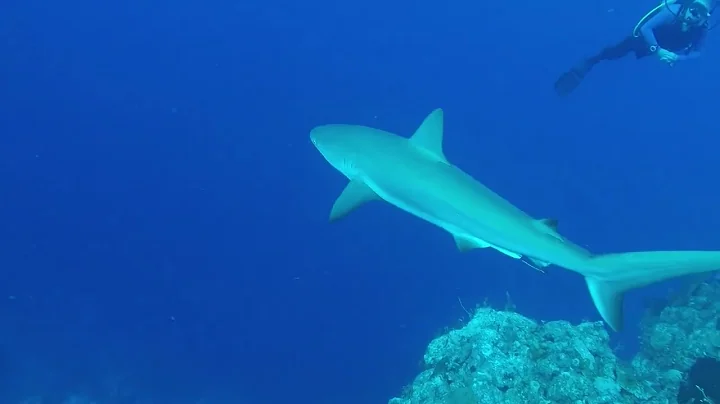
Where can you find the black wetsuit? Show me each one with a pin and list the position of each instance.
(667, 32)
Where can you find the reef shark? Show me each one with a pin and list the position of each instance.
(414, 175)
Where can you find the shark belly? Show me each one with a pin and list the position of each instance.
(439, 214)
(488, 225)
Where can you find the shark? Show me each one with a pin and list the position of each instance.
(414, 175)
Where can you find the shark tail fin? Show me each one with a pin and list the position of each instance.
(608, 299)
(619, 273)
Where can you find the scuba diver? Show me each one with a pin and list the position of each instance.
(672, 31)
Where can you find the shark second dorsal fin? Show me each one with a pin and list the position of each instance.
(429, 136)
(355, 194)
(550, 222)
(549, 226)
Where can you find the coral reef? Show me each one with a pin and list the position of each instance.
(503, 357)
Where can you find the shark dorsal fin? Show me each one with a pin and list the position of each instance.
(429, 136)
(550, 222)
(356, 193)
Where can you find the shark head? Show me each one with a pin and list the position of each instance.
(367, 156)
(353, 148)
(340, 145)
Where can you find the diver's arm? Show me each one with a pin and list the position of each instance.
(665, 15)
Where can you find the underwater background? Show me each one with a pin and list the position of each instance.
(164, 216)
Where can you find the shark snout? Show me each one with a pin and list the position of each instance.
(314, 134)
(324, 138)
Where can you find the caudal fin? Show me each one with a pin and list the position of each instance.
(612, 275)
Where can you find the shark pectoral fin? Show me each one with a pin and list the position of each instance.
(355, 194)
(429, 136)
(608, 299)
(466, 243)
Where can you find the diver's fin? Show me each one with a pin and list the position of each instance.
(571, 79)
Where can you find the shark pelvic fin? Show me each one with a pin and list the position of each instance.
(429, 136)
(356, 193)
(467, 244)
(535, 264)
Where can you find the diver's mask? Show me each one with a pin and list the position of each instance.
(696, 14)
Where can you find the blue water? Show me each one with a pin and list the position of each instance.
(163, 218)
